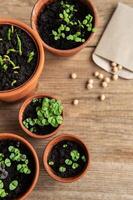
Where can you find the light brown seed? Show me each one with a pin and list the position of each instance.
(91, 81)
(102, 97)
(115, 77)
(120, 67)
(89, 86)
(101, 76)
(113, 64)
(96, 74)
(107, 79)
(104, 84)
(73, 75)
(75, 102)
(115, 69)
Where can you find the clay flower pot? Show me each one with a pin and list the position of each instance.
(35, 14)
(30, 85)
(21, 114)
(48, 150)
(14, 137)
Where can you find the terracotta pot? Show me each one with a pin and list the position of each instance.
(36, 12)
(48, 149)
(22, 110)
(29, 86)
(7, 136)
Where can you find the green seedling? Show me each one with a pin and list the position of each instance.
(50, 162)
(68, 162)
(62, 169)
(1, 156)
(3, 193)
(75, 155)
(23, 168)
(19, 45)
(9, 34)
(65, 145)
(12, 50)
(30, 56)
(49, 112)
(13, 83)
(13, 185)
(76, 37)
(7, 162)
(83, 158)
(75, 165)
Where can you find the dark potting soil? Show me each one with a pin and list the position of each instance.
(30, 112)
(59, 154)
(49, 20)
(12, 78)
(24, 181)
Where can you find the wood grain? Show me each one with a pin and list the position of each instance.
(106, 127)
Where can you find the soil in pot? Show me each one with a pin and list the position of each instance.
(17, 165)
(67, 159)
(43, 115)
(65, 24)
(18, 57)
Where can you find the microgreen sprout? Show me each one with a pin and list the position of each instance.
(9, 34)
(68, 162)
(65, 145)
(50, 162)
(23, 168)
(62, 169)
(11, 50)
(13, 185)
(30, 56)
(7, 162)
(13, 82)
(3, 193)
(19, 45)
(49, 112)
(67, 18)
(75, 155)
(83, 158)
(75, 165)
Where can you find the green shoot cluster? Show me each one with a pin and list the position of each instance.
(71, 161)
(48, 113)
(5, 60)
(68, 22)
(15, 157)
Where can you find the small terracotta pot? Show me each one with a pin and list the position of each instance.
(7, 136)
(30, 85)
(22, 110)
(48, 149)
(36, 12)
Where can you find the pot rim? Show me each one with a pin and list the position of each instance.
(22, 110)
(4, 136)
(40, 50)
(48, 149)
(59, 51)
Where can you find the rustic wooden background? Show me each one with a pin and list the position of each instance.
(106, 127)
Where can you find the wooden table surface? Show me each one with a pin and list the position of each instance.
(106, 127)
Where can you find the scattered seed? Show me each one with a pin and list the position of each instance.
(107, 79)
(104, 84)
(91, 81)
(89, 86)
(113, 64)
(73, 75)
(76, 102)
(115, 77)
(115, 69)
(101, 76)
(102, 97)
(96, 74)
(120, 67)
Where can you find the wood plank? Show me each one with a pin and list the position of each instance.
(106, 127)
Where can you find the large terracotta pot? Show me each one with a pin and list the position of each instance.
(30, 85)
(21, 113)
(8, 136)
(50, 146)
(36, 12)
